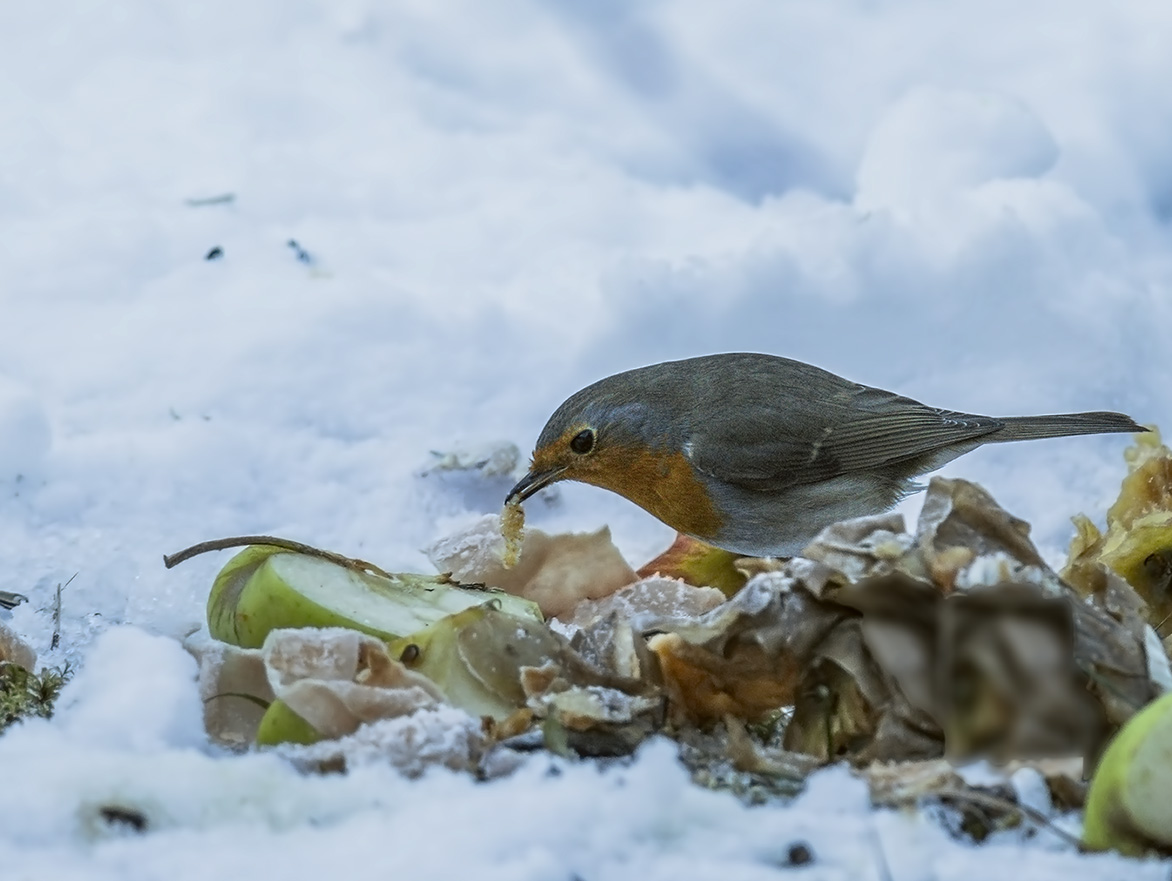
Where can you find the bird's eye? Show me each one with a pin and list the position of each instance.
(583, 442)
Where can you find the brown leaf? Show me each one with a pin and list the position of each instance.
(959, 514)
(1016, 690)
(652, 598)
(555, 571)
(744, 657)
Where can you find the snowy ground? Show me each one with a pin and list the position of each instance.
(970, 203)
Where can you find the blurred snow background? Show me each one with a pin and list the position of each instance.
(493, 205)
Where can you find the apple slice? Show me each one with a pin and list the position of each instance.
(263, 589)
(280, 724)
(475, 657)
(1128, 808)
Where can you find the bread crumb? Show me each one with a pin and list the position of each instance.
(513, 531)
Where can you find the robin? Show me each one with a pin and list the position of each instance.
(756, 453)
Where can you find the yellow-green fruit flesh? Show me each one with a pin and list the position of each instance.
(264, 589)
(436, 654)
(226, 590)
(281, 725)
(698, 564)
(475, 658)
(1129, 805)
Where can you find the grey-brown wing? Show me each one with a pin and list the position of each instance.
(806, 440)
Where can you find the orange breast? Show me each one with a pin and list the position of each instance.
(663, 484)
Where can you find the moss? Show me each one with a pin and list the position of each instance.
(24, 694)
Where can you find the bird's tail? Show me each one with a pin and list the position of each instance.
(1061, 425)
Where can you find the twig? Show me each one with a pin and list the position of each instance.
(985, 799)
(884, 866)
(1163, 621)
(239, 541)
(56, 640)
(251, 698)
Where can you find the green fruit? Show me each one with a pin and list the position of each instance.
(263, 589)
(698, 564)
(1129, 806)
(281, 725)
(435, 653)
(475, 658)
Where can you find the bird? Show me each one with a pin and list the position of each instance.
(757, 453)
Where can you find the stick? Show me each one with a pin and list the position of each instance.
(56, 641)
(239, 541)
(987, 800)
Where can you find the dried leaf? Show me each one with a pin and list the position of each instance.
(862, 546)
(556, 572)
(333, 679)
(1015, 687)
(338, 679)
(648, 600)
(744, 658)
(837, 707)
(959, 514)
(234, 686)
(745, 761)
(614, 647)
(704, 686)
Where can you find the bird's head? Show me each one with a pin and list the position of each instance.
(596, 437)
(628, 434)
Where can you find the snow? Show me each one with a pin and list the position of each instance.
(24, 433)
(933, 143)
(135, 693)
(968, 203)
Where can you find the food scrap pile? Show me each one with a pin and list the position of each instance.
(885, 648)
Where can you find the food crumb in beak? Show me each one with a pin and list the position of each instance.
(512, 530)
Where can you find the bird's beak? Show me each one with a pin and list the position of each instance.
(532, 482)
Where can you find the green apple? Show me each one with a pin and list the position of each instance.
(475, 657)
(281, 725)
(263, 588)
(1129, 806)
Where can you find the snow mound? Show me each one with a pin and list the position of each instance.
(935, 142)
